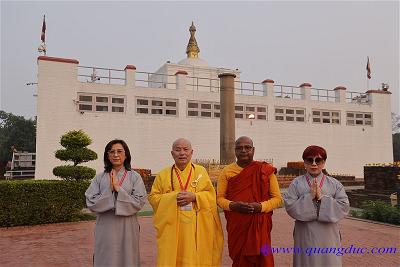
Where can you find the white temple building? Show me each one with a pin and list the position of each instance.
(150, 110)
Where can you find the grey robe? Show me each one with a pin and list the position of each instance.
(117, 227)
(316, 228)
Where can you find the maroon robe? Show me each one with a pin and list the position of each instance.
(249, 234)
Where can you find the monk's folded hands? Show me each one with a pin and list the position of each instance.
(183, 198)
(241, 207)
(257, 207)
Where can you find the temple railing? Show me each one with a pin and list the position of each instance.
(193, 83)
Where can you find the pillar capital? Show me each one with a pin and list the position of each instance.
(268, 81)
(227, 74)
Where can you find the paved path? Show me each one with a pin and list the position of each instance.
(71, 244)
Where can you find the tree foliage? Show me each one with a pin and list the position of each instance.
(16, 133)
(75, 149)
(75, 139)
(395, 123)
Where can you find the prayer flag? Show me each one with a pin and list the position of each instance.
(368, 69)
(42, 37)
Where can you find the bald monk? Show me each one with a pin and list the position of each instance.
(186, 220)
(248, 191)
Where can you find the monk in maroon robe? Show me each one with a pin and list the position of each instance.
(248, 191)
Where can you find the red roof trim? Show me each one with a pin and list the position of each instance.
(130, 67)
(268, 81)
(181, 72)
(58, 59)
(305, 85)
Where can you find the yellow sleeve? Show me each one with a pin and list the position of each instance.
(222, 185)
(155, 193)
(276, 199)
(165, 219)
(205, 192)
(160, 190)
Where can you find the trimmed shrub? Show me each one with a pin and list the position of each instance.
(70, 172)
(381, 211)
(75, 143)
(76, 155)
(30, 202)
(75, 139)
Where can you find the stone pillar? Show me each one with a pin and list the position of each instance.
(268, 88)
(305, 91)
(181, 79)
(340, 94)
(130, 76)
(227, 117)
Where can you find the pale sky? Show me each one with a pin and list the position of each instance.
(320, 42)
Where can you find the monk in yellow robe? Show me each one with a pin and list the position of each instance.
(248, 191)
(186, 219)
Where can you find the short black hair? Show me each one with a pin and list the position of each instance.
(107, 163)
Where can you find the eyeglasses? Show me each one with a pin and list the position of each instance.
(317, 161)
(246, 148)
(113, 152)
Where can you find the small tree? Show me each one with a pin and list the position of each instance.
(75, 143)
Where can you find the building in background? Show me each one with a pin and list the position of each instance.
(22, 165)
(150, 110)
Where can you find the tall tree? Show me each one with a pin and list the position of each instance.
(17, 133)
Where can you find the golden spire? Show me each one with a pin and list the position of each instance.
(192, 50)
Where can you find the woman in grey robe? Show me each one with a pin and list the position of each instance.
(116, 195)
(317, 202)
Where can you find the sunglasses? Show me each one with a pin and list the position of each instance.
(317, 161)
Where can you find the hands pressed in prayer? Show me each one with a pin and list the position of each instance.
(114, 181)
(316, 190)
(184, 198)
(318, 194)
(244, 207)
(314, 187)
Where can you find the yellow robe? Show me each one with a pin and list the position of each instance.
(186, 238)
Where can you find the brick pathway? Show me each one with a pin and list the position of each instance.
(70, 244)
